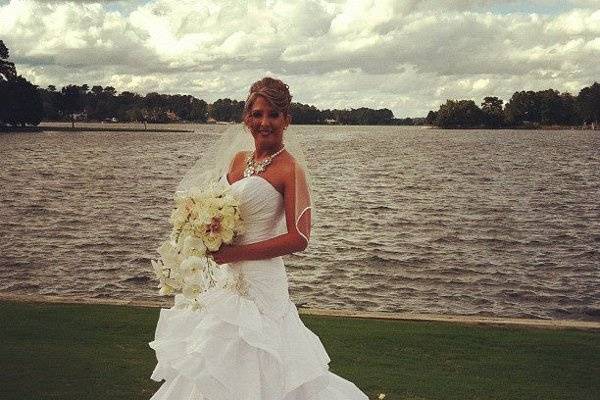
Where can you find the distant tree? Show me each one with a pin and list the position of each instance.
(3, 50)
(326, 114)
(226, 110)
(7, 69)
(198, 110)
(431, 118)
(124, 106)
(51, 103)
(553, 108)
(364, 116)
(546, 107)
(20, 103)
(382, 116)
(522, 108)
(110, 91)
(305, 114)
(97, 90)
(588, 103)
(403, 121)
(459, 114)
(493, 114)
(568, 110)
(73, 101)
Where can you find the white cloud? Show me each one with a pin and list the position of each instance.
(407, 55)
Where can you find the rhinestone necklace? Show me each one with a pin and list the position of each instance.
(253, 167)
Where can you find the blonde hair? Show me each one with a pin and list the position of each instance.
(275, 91)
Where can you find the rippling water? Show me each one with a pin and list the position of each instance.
(503, 223)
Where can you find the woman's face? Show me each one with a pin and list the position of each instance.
(266, 124)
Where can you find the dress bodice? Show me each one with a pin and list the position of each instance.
(261, 209)
(263, 216)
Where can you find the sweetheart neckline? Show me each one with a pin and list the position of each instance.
(255, 176)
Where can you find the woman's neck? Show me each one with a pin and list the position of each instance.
(261, 152)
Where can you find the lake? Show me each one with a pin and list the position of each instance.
(477, 222)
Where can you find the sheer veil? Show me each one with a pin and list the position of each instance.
(216, 161)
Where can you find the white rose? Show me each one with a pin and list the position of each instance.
(212, 242)
(228, 221)
(178, 217)
(227, 235)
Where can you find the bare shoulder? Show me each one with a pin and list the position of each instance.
(238, 159)
(287, 169)
(240, 155)
(287, 164)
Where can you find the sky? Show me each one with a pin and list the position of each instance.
(409, 56)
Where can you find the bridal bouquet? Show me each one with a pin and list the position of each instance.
(203, 219)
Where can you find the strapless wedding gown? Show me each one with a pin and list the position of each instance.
(247, 342)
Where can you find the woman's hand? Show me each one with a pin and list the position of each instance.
(226, 254)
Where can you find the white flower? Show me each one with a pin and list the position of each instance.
(212, 242)
(166, 290)
(159, 268)
(179, 217)
(194, 270)
(381, 396)
(193, 246)
(191, 291)
(193, 264)
(169, 255)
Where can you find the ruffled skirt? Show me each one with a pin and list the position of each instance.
(229, 350)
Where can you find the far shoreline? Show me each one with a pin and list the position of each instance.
(555, 324)
(180, 127)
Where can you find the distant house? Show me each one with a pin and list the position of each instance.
(330, 121)
(171, 116)
(82, 116)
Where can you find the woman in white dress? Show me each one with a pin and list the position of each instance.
(247, 342)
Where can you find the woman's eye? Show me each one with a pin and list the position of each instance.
(274, 114)
(256, 114)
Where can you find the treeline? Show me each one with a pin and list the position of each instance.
(104, 104)
(82, 103)
(23, 103)
(524, 109)
(231, 110)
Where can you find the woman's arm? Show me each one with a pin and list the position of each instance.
(288, 243)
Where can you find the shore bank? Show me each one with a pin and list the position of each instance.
(111, 127)
(460, 319)
(85, 351)
(83, 126)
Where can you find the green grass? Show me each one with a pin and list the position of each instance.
(77, 351)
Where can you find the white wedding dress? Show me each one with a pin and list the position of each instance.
(247, 342)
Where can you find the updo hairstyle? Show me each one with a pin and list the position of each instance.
(274, 91)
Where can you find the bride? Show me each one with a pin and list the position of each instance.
(248, 342)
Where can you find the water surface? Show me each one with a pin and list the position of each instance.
(501, 223)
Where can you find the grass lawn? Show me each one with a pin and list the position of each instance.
(79, 351)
